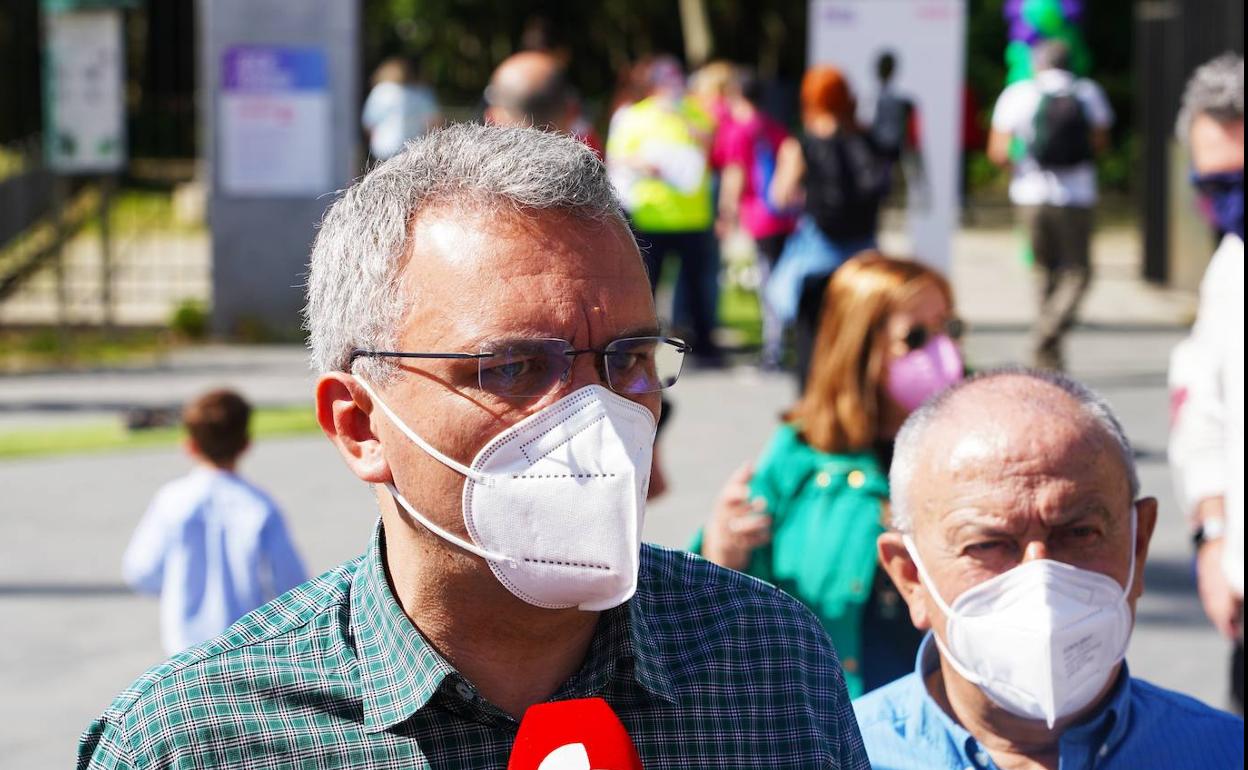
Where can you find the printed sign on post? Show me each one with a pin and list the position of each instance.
(86, 128)
(274, 121)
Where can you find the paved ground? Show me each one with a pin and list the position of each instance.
(76, 636)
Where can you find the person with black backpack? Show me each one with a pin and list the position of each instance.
(1049, 130)
(835, 174)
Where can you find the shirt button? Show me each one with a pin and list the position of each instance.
(1103, 751)
(856, 479)
(981, 758)
(464, 691)
(823, 479)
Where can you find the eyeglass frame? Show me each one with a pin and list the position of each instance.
(681, 346)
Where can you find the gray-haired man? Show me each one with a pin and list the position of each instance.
(490, 363)
(1020, 541)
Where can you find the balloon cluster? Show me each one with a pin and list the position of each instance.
(1033, 20)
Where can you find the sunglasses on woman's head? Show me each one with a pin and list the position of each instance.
(919, 335)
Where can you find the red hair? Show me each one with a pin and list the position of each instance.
(825, 91)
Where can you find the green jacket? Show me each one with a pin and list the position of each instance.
(826, 515)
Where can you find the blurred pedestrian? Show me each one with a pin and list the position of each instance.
(835, 173)
(747, 143)
(1019, 540)
(807, 517)
(1059, 123)
(894, 130)
(530, 88)
(1207, 369)
(399, 107)
(211, 545)
(657, 158)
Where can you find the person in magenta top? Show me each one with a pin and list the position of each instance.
(747, 143)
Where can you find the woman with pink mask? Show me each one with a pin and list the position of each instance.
(806, 517)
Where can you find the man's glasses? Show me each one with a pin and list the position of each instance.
(533, 367)
(919, 335)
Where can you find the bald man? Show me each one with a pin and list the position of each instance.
(1019, 541)
(528, 89)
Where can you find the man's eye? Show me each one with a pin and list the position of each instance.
(987, 548)
(1081, 535)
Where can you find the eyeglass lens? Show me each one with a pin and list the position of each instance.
(532, 367)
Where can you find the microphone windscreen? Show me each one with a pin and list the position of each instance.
(582, 734)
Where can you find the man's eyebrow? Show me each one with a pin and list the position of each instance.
(1093, 508)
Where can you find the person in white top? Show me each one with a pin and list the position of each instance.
(1049, 130)
(1207, 369)
(399, 108)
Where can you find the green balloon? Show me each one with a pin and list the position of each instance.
(1017, 62)
(1044, 16)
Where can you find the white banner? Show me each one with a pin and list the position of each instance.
(927, 38)
(85, 129)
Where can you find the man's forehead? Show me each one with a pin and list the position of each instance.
(480, 274)
(471, 233)
(1009, 437)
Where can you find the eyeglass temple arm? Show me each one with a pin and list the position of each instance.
(397, 354)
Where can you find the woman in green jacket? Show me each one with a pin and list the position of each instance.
(807, 517)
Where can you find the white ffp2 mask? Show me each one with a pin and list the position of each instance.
(555, 503)
(1042, 639)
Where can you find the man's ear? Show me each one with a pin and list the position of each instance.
(1145, 524)
(344, 410)
(896, 561)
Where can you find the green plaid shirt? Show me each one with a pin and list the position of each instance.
(706, 668)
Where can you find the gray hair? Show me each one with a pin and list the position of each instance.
(913, 434)
(1215, 89)
(353, 294)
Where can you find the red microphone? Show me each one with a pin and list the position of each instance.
(582, 734)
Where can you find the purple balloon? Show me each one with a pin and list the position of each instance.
(1021, 30)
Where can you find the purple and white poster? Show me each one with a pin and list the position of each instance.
(274, 121)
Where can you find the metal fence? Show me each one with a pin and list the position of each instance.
(54, 266)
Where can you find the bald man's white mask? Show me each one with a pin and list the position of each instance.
(555, 503)
(1042, 639)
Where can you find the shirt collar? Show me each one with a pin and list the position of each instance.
(1100, 731)
(400, 670)
(653, 664)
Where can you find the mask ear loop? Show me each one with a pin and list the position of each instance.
(1135, 523)
(471, 548)
(477, 476)
(930, 585)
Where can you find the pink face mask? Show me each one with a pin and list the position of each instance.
(921, 374)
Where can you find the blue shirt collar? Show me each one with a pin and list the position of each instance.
(1097, 734)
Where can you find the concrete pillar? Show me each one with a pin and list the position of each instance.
(279, 89)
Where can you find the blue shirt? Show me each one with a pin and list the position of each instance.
(1140, 726)
(214, 547)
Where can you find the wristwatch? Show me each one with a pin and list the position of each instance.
(1209, 529)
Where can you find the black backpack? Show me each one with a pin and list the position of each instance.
(1061, 130)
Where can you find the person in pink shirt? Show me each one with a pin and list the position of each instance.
(747, 142)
